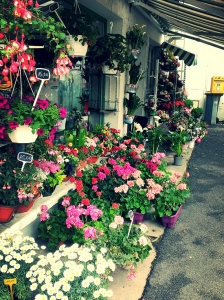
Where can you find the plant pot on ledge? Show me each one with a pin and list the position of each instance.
(7, 213)
(171, 221)
(178, 160)
(138, 217)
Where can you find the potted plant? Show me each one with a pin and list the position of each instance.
(155, 138)
(197, 112)
(23, 123)
(15, 264)
(135, 75)
(126, 249)
(170, 200)
(110, 51)
(178, 144)
(87, 270)
(136, 39)
(83, 31)
(17, 186)
(131, 104)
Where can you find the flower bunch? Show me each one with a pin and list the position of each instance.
(42, 119)
(71, 272)
(150, 107)
(17, 255)
(70, 158)
(172, 196)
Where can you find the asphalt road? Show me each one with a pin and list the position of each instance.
(190, 256)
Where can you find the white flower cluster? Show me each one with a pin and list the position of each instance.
(16, 252)
(71, 272)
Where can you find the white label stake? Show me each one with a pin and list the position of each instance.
(131, 216)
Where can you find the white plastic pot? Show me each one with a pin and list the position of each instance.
(77, 49)
(23, 134)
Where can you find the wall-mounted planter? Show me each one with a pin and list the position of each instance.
(128, 119)
(23, 134)
(135, 53)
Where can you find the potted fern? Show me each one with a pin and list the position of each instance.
(131, 104)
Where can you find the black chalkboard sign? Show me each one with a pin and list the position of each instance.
(53, 7)
(42, 74)
(25, 157)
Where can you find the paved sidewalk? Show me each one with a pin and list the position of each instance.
(189, 263)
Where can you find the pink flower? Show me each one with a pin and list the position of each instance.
(70, 221)
(44, 216)
(90, 233)
(119, 220)
(28, 121)
(140, 182)
(40, 132)
(66, 201)
(131, 275)
(158, 173)
(182, 186)
(43, 104)
(95, 188)
(13, 124)
(101, 176)
(130, 183)
(62, 112)
(43, 208)
(187, 174)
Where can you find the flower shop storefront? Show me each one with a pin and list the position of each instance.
(81, 191)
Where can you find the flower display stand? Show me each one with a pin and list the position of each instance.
(22, 134)
(138, 217)
(171, 221)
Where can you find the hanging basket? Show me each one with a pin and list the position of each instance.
(77, 49)
(131, 88)
(22, 134)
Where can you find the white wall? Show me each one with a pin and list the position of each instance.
(210, 62)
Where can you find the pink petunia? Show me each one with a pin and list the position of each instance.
(43, 104)
(40, 132)
(28, 121)
(13, 124)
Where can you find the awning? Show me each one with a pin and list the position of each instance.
(202, 19)
(184, 55)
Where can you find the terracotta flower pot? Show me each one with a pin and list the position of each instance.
(23, 208)
(7, 213)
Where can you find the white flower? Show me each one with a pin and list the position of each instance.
(109, 293)
(143, 241)
(90, 267)
(43, 247)
(52, 298)
(4, 268)
(66, 287)
(11, 270)
(97, 281)
(110, 278)
(41, 297)
(59, 295)
(64, 298)
(143, 228)
(103, 250)
(85, 283)
(90, 278)
(29, 274)
(43, 287)
(33, 287)
(1, 257)
(8, 258)
(103, 292)
(96, 294)
(17, 266)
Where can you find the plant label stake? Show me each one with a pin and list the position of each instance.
(43, 75)
(24, 158)
(131, 216)
(10, 283)
(53, 8)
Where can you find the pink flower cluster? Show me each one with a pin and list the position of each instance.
(153, 189)
(157, 157)
(48, 166)
(125, 170)
(75, 212)
(44, 215)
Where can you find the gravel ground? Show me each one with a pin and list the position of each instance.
(189, 263)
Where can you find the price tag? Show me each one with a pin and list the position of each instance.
(24, 158)
(53, 7)
(10, 283)
(131, 216)
(43, 75)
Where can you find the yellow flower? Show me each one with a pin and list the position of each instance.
(70, 144)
